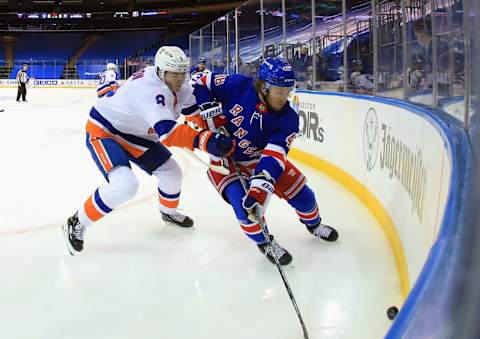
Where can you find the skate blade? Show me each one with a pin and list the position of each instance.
(172, 224)
(70, 249)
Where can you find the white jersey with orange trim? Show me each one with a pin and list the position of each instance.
(107, 83)
(144, 110)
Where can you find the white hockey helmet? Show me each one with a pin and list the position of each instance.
(112, 67)
(171, 59)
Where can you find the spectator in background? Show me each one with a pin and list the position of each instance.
(308, 81)
(360, 82)
(421, 76)
(421, 61)
(423, 32)
(301, 63)
(366, 57)
(22, 79)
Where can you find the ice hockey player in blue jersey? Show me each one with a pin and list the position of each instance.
(259, 117)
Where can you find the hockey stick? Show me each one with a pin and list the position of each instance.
(267, 238)
(223, 130)
(215, 168)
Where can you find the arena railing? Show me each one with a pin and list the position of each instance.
(55, 68)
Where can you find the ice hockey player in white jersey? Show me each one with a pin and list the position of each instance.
(126, 128)
(108, 81)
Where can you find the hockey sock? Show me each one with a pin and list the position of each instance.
(306, 207)
(122, 186)
(168, 202)
(169, 177)
(253, 230)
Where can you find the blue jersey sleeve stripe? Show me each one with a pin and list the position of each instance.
(168, 196)
(100, 203)
(164, 127)
(189, 110)
(103, 87)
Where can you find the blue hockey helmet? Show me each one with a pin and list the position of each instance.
(276, 72)
(202, 61)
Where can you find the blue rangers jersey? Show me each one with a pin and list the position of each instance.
(263, 137)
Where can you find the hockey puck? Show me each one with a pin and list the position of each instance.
(392, 312)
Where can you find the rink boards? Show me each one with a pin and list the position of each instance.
(52, 83)
(391, 156)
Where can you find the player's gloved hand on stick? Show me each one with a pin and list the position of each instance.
(261, 188)
(214, 143)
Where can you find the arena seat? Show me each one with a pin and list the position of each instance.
(119, 45)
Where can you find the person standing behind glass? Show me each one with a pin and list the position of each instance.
(301, 64)
(22, 79)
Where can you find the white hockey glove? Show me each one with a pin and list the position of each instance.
(209, 110)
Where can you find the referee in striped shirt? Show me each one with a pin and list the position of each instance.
(22, 79)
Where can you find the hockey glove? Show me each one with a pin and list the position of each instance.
(214, 143)
(209, 110)
(261, 188)
(197, 121)
(213, 113)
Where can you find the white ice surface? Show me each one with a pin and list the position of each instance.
(138, 278)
